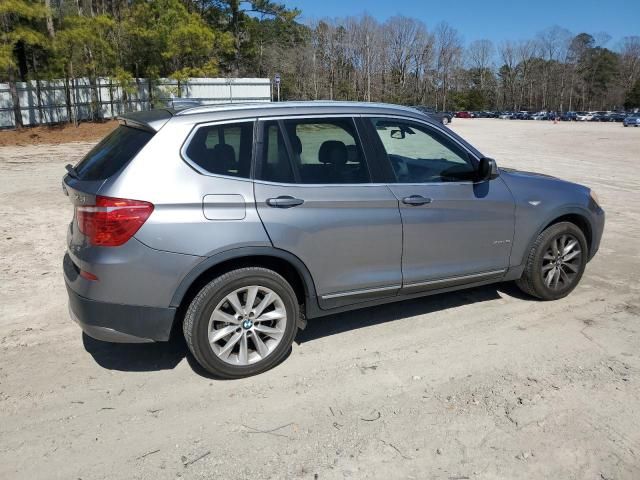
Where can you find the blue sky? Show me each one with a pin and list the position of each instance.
(496, 20)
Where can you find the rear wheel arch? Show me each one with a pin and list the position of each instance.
(282, 262)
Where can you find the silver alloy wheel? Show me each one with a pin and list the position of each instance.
(561, 262)
(247, 325)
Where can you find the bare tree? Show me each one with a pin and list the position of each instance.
(480, 54)
(448, 55)
(403, 35)
(526, 53)
(508, 72)
(630, 61)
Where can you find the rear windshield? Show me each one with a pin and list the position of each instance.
(112, 153)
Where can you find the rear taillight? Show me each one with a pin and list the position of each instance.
(112, 221)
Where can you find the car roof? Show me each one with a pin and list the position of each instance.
(155, 119)
(262, 109)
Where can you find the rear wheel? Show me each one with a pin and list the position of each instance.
(555, 263)
(445, 120)
(242, 323)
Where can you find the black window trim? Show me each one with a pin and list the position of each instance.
(259, 150)
(377, 144)
(191, 163)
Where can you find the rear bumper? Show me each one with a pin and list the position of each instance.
(112, 322)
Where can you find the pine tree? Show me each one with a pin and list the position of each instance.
(18, 28)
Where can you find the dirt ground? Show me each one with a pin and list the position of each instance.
(478, 384)
(55, 134)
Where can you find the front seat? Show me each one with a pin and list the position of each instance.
(333, 155)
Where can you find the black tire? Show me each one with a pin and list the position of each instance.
(445, 120)
(532, 281)
(196, 321)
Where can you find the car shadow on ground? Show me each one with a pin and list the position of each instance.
(137, 357)
(167, 355)
(367, 317)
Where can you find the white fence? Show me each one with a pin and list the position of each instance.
(58, 101)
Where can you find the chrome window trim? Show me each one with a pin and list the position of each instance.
(198, 126)
(280, 184)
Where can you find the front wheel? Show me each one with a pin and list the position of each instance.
(445, 120)
(242, 323)
(555, 263)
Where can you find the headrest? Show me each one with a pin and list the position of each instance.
(223, 154)
(296, 144)
(352, 154)
(333, 152)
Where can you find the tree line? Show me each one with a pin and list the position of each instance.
(399, 60)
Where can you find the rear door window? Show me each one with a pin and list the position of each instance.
(223, 149)
(319, 151)
(112, 153)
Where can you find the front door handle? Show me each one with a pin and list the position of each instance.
(416, 200)
(284, 201)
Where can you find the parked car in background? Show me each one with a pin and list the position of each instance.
(261, 216)
(485, 114)
(568, 116)
(585, 116)
(505, 115)
(442, 117)
(615, 117)
(632, 120)
(523, 115)
(600, 117)
(464, 114)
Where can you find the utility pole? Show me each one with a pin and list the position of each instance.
(276, 79)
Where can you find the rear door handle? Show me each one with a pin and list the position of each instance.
(416, 200)
(284, 201)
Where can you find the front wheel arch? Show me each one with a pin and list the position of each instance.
(579, 221)
(573, 214)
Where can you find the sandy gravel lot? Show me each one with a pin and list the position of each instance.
(477, 384)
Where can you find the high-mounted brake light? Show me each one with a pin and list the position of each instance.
(112, 221)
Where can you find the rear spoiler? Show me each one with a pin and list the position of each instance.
(152, 121)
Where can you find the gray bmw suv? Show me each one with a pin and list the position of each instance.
(237, 223)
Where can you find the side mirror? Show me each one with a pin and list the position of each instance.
(488, 169)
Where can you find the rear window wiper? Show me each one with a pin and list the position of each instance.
(72, 171)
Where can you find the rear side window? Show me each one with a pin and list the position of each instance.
(320, 151)
(223, 149)
(112, 153)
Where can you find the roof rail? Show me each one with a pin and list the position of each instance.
(289, 104)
